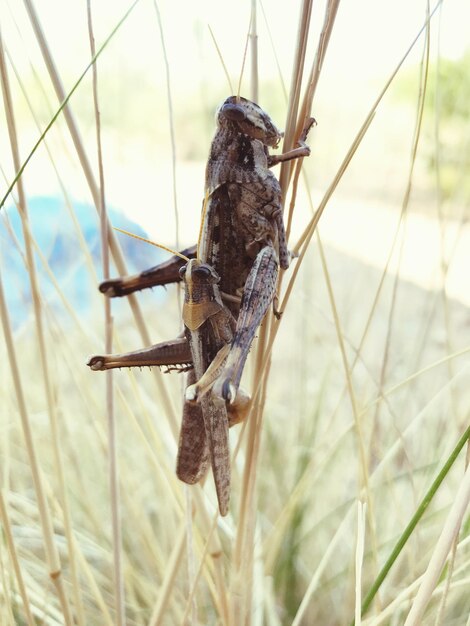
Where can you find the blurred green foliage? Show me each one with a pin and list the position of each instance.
(446, 133)
(449, 89)
(449, 98)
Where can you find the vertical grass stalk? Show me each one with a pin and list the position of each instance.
(421, 509)
(15, 560)
(108, 323)
(158, 614)
(72, 126)
(50, 548)
(254, 74)
(40, 336)
(442, 549)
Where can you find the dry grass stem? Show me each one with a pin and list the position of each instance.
(363, 398)
(244, 547)
(113, 466)
(307, 103)
(445, 593)
(361, 531)
(328, 24)
(166, 587)
(363, 466)
(441, 551)
(320, 568)
(15, 560)
(294, 92)
(409, 379)
(94, 190)
(253, 36)
(402, 220)
(40, 336)
(304, 241)
(84, 251)
(195, 576)
(52, 555)
(171, 124)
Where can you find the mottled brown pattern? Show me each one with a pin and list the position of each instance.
(193, 459)
(201, 290)
(243, 242)
(216, 426)
(257, 296)
(244, 195)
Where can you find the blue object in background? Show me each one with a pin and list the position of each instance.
(56, 236)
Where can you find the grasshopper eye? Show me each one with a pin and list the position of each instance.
(233, 112)
(182, 270)
(203, 271)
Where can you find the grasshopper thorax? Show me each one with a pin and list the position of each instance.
(243, 116)
(201, 293)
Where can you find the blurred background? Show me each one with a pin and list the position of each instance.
(136, 121)
(396, 245)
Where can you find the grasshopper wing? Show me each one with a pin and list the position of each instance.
(193, 460)
(216, 427)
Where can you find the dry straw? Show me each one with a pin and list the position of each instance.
(113, 467)
(51, 549)
(443, 547)
(72, 126)
(232, 562)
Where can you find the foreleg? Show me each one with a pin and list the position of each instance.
(302, 150)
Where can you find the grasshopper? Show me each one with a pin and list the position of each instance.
(243, 242)
(209, 328)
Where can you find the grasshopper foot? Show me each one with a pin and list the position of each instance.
(96, 363)
(110, 288)
(276, 312)
(308, 125)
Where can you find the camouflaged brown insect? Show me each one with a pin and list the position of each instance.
(242, 243)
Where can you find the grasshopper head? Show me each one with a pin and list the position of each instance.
(196, 272)
(248, 118)
(201, 293)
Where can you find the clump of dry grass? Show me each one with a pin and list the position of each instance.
(349, 405)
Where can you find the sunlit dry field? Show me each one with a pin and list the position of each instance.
(350, 483)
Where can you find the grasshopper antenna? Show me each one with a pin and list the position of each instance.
(221, 59)
(201, 227)
(153, 243)
(244, 57)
